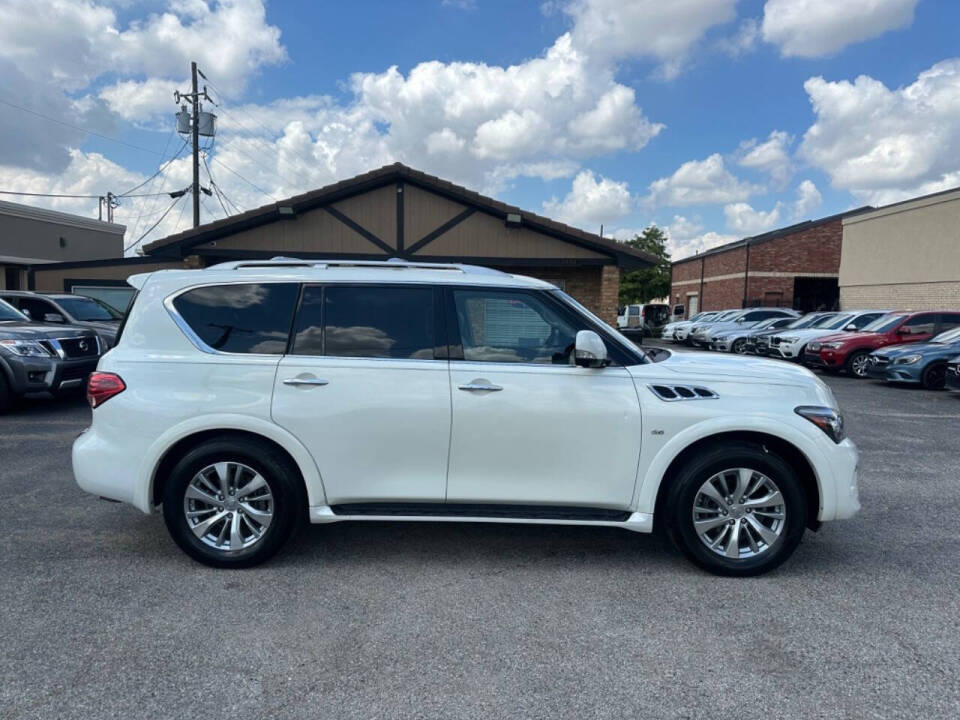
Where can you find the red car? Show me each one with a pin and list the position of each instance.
(850, 350)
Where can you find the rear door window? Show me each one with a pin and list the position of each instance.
(367, 321)
(920, 325)
(240, 318)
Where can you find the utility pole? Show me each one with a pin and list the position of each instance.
(195, 130)
(196, 123)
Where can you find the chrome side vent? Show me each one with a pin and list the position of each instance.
(673, 393)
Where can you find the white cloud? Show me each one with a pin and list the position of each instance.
(593, 200)
(808, 199)
(771, 156)
(701, 182)
(815, 28)
(744, 41)
(687, 237)
(609, 30)
(742, 218)
(880, 143)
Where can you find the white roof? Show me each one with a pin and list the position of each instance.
(321, 270)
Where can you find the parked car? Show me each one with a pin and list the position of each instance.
(953, 374)
(38, 358)
(758, 341)
(703, 335)
(851, 351)
(248, 395)
(683, 332)
(916, 363)
(670, 329)
(65, 308)
(735, 339)
(790, 344)
(648, 318)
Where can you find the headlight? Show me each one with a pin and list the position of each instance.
(26, 348)
(908, 360)
(831, 345)
(720, 338)
(827, 419)
(813, 347)
(789, 339)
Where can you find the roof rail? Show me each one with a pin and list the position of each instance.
(392, 264)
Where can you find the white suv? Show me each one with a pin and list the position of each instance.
(251, 395)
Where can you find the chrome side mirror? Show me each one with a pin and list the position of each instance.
(589, 350)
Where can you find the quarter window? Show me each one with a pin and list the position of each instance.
(949, 321)
(238, 318)
(512, 327)
(374, 322)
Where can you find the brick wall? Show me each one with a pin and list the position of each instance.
(906, 296)
(810, 252)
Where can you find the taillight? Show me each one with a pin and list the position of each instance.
(102, 386)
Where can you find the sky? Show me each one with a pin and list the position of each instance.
(713, 119)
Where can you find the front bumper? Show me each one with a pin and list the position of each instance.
(953, 377)
(785, 351)
(895, 373)
(825, 359)
(41, 374)
(845, 462)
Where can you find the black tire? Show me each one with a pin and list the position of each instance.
(281, 476)
(853, 361)
(682, 494)
(935, 376)
(738, 346)
(6, 397)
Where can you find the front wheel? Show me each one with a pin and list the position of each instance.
(935, 376)
(739, 346)
(737, 510)
(856, 364)
(231, 503)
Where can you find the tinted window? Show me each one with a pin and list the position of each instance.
(512, 327)
(86, 309)
(241, 318)
(376, 322)
(920, 325)
(866, 319)
(949, 320)
(634, 309)
(35, 308)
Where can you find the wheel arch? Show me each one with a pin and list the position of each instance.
(796, 457)
(179, 441)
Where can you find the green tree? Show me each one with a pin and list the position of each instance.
(652, 283)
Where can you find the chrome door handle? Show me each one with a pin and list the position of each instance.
(480, 385)
(305, 381)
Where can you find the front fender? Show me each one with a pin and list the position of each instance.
(660, 457)
(308, 468)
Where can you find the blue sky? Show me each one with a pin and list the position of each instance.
(715, 119)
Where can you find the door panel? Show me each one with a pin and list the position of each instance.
(379, 430)
(530, 427)
(556, 435)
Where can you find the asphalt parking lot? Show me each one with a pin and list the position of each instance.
(102, 616)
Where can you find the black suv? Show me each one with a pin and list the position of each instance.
(41, 358)
(66, 308)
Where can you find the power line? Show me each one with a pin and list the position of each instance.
(153, 204)
(159, 170)
(80, 129)
(139, 239)
(50, 195)
(217, 160)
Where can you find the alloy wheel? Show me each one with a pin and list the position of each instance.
(228, 506)
(739, 513)
(859, 365)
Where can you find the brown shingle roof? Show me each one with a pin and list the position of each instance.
(178, 243)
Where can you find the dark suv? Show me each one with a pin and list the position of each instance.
(65, 308)
(41, 358)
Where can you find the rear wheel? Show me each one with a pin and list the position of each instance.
(736, 510)
(6, 396)
(231, 504)
(856, 364)
(934, 376)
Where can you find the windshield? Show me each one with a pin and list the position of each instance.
(949, 337)
(835, 323)
(728, 315)
(88, 309)
(9, 312)
(770, 322)
(887, 322)
(805, 321)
